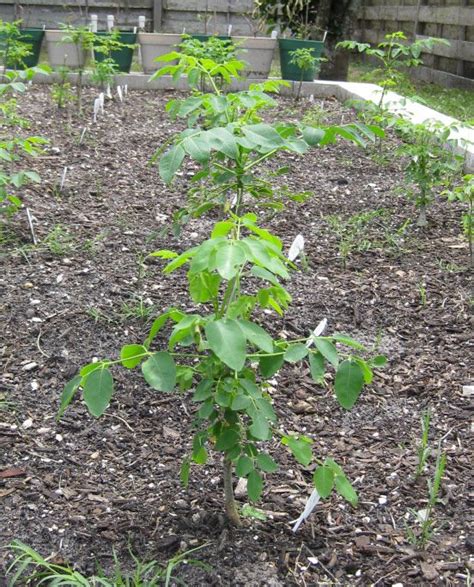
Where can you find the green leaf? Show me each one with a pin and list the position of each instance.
(222, 140)
(295, 353)
(98, 389)
(230, 257)
(222, 228)
(300, 448)
(348, 341)
(266, 463)
(203, 390)
(68, 393)
(259, 428)
(323, 480)
(254, 485)
(345, 489)
(312, 136)
(228, 438)
(159, 371)
(170, 162)
(164, 254)
(248, 511)
(269, 365)
(379, 361)
(227, 341)
(132, 355)
(240, 402)
(200, 456)
(197, 147)
(184, 472)
(256, 335)
(317, 367)
(348, 383)
(244, 466)
(328, 350)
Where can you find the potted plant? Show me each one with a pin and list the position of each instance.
(117, 46)
(19, 47)
(294, 19)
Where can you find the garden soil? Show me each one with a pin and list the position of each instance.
(80, 489)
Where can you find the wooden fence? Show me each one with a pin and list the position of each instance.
(171, 16)
(452, 20)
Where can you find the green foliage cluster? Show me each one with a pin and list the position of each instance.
(15, 150)
(222, 350)
(464, 193)
(395, 55)
(12, 49)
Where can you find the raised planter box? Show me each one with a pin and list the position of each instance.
(153, 45)
(259, 55)
(64, 54)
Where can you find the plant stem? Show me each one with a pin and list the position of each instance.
(230, 505)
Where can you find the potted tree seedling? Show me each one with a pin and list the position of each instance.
(115, 47)
(305, 61)
(295, 21)
(18, 50)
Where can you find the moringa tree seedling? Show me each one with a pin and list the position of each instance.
(464, 193)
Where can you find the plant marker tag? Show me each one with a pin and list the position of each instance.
(30, 224)
(141, 22)
(93, 25)
(108, 93)
(229, 30)
(101, 101)
(119, 93)
(97, 108)
(63, 179)
(83, 134)
(320, 328)
(274, 34)
(125, 90)
(110, 22)
(297, 247)
(312, 502)
(311, 98)
(324, 36)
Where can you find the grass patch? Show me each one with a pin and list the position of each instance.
(450, 101)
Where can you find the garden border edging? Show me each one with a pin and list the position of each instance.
(399, 105)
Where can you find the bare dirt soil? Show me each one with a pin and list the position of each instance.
(81, 488)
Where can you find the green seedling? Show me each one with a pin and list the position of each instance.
(464, 193)
(104, 70)
(395, 54)
(429, 163)
(83, 38)
(13, 50)
(352, 233)
(305, 60)
(424, 517)
(61, 92)
(30, 567)
(227, 357)
(424, 450)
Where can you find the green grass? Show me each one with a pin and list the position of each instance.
(450, 101)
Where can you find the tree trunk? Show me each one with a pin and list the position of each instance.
(338, 17)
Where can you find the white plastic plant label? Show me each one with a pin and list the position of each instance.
(97, 108)
(312, 502)
(297, 247)
(110, 22)
(63, 178)
(119, 93)
(141, 22)
(229, 30)
(320, 328)
(94, 20)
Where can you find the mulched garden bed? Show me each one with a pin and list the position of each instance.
(82, 488)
